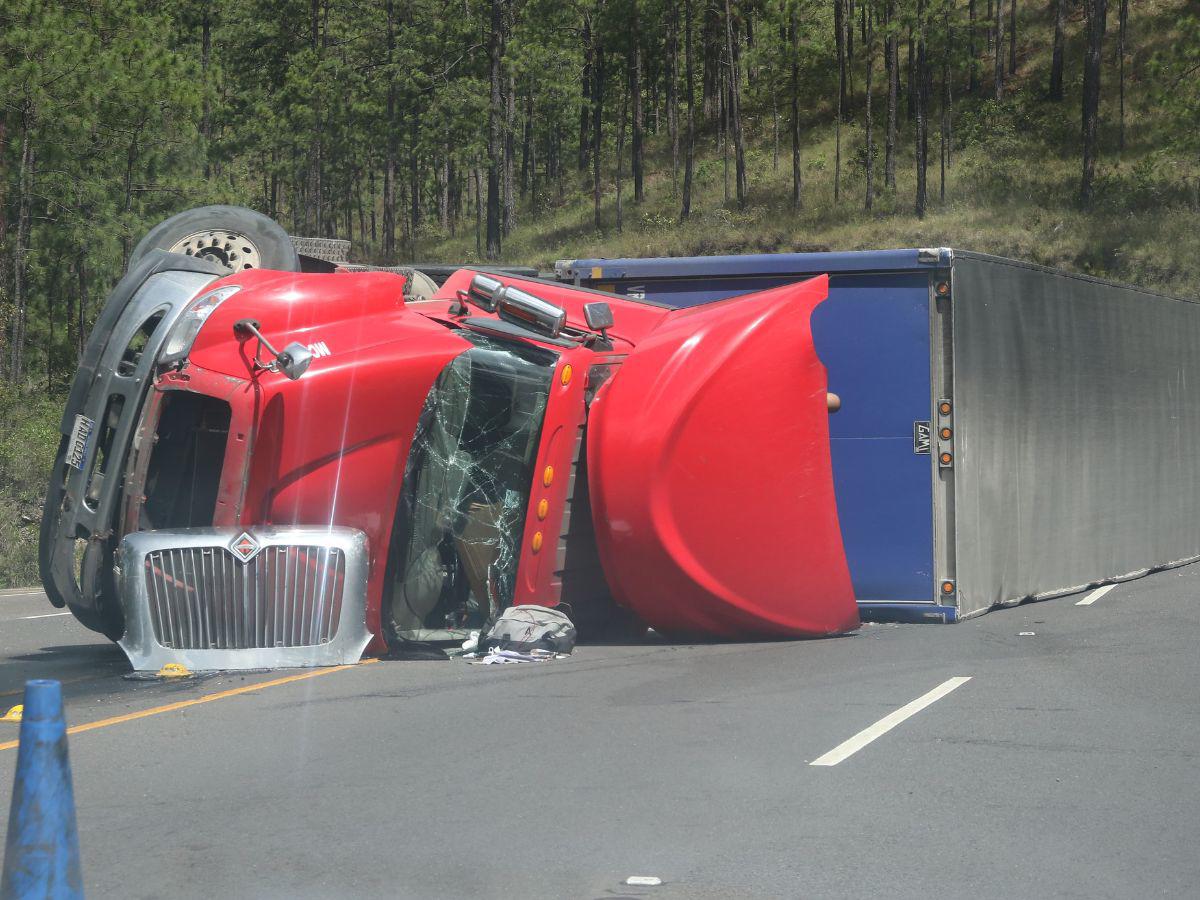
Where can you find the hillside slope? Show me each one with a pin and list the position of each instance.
(1011, 180)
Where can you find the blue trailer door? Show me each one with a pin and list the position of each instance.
(872, 334)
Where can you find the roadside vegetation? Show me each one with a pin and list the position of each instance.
(1066, 132)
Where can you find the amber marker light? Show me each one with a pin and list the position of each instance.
(565, 377)
(943, 288)
(543, 509)
(548, 476)
(537, 541)
(947, 587)
(944, 407)
(946, 459)
(945, 434)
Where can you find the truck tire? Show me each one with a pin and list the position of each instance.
(232, 236)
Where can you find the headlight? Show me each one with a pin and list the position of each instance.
(187, 326)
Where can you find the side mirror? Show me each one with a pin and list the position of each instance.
(598, 315)
(294, 360)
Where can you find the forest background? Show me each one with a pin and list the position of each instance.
(1066, 132)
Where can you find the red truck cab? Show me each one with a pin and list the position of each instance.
(509, 441)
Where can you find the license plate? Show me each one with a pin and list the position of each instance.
(81, 436)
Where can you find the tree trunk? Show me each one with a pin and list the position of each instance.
(653, 64)
(1121, 34)
(495, 144)
(999, 49)
(794, 47)
(869, 50)
(635, 96)
(414, 184)
(972, 51)
(910, 94)
(621, 112)
(533, 162)
(205, 113)
(1012, 37)
(389, 165)
(527, 143)
(585, 106)
(723, 133)
(839, 41)
(1056, 59)
(597, 130)
(774, 132)
(686, 207)
(922, 145)
(81, 311)
(1096, 11)
(837, 122)
(443, 181)
(453, 194)
(478, 179)
(510, 192)
(712, 42)
(672, 76)
(371, 193)
(16, 362)
(735, 107)
(5, 261)
(892, 53)
(945, 133)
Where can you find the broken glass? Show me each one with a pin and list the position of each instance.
(466, 489)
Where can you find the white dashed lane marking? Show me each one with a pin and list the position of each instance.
(887, 723)
(1095, 595)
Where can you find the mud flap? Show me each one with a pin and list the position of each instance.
(710, 472)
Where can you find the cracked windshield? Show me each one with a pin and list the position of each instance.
(466, 488)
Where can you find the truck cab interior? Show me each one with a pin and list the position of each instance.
(466, 490)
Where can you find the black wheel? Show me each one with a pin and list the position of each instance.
(232, 236)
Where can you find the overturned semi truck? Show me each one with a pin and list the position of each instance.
(265, 466)
(303, 458)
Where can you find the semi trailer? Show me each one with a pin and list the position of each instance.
(1009, 432)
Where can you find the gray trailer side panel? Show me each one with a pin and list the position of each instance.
(1077, 406)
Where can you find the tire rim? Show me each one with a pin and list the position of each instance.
(230, 249)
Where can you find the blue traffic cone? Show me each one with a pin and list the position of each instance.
(41, 855)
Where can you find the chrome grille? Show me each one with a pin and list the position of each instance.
(205, 598)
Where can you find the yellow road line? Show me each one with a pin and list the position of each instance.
(207, 698)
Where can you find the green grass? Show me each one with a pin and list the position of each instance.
(28, 443)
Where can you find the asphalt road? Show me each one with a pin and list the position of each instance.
(1066, 766)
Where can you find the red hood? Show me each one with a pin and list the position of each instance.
(331, 314)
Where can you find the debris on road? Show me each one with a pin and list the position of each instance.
(530, 628)
(496, 657)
